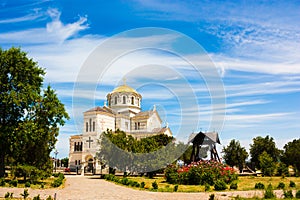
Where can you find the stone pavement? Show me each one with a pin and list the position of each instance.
(91, 188)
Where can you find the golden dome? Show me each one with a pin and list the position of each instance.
(124, 88)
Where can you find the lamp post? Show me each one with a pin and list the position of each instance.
(55, 152)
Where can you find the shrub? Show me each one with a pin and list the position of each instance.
(137, 185)
(27, 184)
(61, 175)
(282, 170)
(233, 186)
(25, 193)
(220, 185)
(298, 194)
(37, 197)
(281, 185)
(13, 183)
(269, 194)
(2, 181)
(175, 188)
(56, 182)
(207, 187)
(49, 198)
(125, 181)
(292, 184)
(201, 172)
(171, 174)
(142, 184)
(155, 185)
(259, 185)
(8, 195)
(288, 194)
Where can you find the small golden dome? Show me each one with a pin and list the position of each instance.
(124, 88)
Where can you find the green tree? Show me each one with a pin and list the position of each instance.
(29, 117)
(267, 164)
(260, 145)
(131, 152)
(235, 154)
(65, 162)
(291, 154)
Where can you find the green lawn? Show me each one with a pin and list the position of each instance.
(244, 183)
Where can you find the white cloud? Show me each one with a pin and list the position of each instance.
(54, 32)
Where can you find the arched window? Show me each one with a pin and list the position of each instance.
(124, 100)
(94, 124)
(138, 100)
(81, 146)
(75, 146)
(75, 162)
(78, 162)
(116, 100)
(132, 100)
(90, 125)
(86, 127)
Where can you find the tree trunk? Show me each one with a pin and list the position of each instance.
(2, 164)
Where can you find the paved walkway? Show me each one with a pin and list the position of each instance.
(90, 188)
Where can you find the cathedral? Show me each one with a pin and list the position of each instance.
(122, 111)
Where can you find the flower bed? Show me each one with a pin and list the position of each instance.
(200, 173)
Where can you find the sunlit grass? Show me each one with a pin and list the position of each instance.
(244, 183)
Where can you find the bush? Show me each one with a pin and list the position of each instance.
(125, 181)
(298, 194)
(292, 184)
(25, 193)
(281, 185)
(207, 187)
(2, 181)
(288, 194)
(37, 197)
(49, 198)
(220, 185)
(8, 195)
(61, 176)
(175, 188)
(269, 194)
(201, 172)
(259, 185)
(155, 185)
(282, 169)
(13, 183)
(56, 182)
(233, 186)
(27, 184)
(142, 184)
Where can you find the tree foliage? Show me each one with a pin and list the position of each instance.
(126, 153)
(291, 154)
(260, 145)
(267, 164)
(235, 154)
(29, 117)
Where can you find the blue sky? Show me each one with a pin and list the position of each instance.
(254, 46)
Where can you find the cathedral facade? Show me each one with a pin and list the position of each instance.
(122, 111)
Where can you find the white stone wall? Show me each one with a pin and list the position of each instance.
(153, 122)
(105, 122)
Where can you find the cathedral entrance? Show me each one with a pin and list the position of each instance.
(89, 164)
(90, 167)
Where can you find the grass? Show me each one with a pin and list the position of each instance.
(46, 183)
(244, 184)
